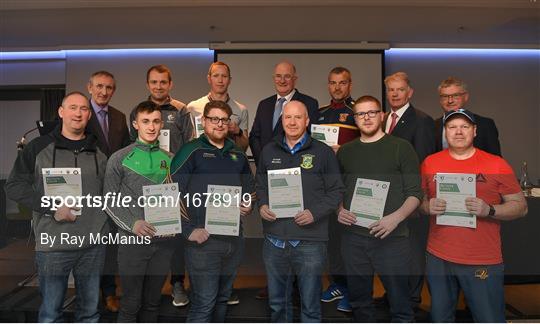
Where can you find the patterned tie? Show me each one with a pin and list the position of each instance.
(104, 124)
(393, 124)
(277, 112)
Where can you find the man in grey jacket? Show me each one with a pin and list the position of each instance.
(64, 241)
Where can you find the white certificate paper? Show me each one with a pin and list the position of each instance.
(223, 210)
(327, 134)
(63, 182)
(368, 201)
(285, 192)
(164, 139)
(199, 129)
(454, 188)
(163, 213)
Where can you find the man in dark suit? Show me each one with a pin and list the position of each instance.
(416, 127)
(453, 95)
(267, 123)
(404, 120)
(108, 124)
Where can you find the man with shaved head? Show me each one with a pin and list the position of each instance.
(295, 245)
(267, 123)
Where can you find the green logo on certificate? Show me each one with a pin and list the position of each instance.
(307, 161)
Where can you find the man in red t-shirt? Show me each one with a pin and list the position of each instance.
(463, 257)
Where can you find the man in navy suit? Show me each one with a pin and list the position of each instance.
(416, 127)
(453, 95)
(108, 124)
(267, 123)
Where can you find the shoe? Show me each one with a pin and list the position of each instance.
(179, 295)
(233, 299)
(262, 293)
(344, 305)
(112, 304)
(334, 292)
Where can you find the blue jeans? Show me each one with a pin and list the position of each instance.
(483, 287)
(212, 269)
(53, 272)
(306, 261)
(390, 259)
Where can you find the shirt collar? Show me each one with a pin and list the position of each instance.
(97, 108)
(401, 110)
(296, 146)
(287, 97)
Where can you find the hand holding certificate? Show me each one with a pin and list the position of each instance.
(368, 201)
(454, 188)
(329, 135)
(160, 209)
(65, 183)
(285, 192)
(223, 210)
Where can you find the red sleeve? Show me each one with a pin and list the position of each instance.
(507, 181)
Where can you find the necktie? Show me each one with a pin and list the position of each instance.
(277, 112)
(393, 124)
(104, 124)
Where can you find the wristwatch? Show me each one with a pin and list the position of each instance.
(491, 211)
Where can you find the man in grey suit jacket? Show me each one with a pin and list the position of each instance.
(108, 124)
(267, 123)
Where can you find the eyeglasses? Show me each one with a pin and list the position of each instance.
(216, 120)
(451, 96)
(287, 77)
(370, 114)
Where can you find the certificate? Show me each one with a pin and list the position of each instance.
(162, 209)
(63, 182)
(223, 210)
(285, 192)
(164, 139)
(327, 134)
(199, 129)
(368, 201)
(454, 188)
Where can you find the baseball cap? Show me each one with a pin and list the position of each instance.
(464, 112)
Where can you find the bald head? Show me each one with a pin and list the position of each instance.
(295, 120)
(284, 78)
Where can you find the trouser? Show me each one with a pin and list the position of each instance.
(336, 269)
(212, 268)
(482, 285)
(418, 233)
(390, 258)
(53, 273)
(306, 261)
(143, 270)
(178, 263)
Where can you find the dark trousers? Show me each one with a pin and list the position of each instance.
(110, 269)
(143, 270)
(178, 263)
(418, 233)
(336, 268)
(390, 259)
